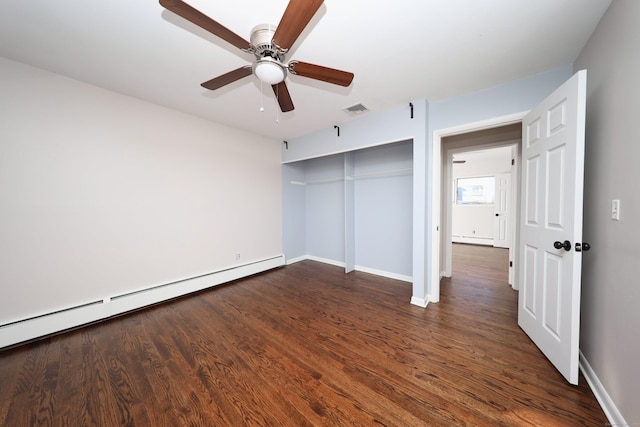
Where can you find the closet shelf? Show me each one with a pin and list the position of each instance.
(395, 172)
(318, 181)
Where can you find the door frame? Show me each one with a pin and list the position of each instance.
(438, 248)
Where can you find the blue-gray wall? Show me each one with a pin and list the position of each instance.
(508, 98)
(315, 224)
(384, 208)
(396, 125)
(371, 130)
(325, 207)
(294, 206)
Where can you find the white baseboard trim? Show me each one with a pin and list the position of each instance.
(298, 259)
(57, 321)
(326, 261)
(608, 406)
(486, 241)
(382, 273)
(420, 302)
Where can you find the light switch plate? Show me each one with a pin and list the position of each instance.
(615, 210)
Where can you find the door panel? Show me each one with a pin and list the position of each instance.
(555, 167)
(502, 204)
(528, 290)
(552, 189)
(553, 295)
(531, 195)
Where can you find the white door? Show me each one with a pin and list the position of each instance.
(501, 206)
(552, 186)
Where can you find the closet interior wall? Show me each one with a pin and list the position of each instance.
(352, 209)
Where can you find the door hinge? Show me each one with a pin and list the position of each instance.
(513, 162)
(510, 263)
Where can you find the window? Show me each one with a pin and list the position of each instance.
(475, 191)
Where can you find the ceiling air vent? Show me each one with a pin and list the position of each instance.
(356, 109)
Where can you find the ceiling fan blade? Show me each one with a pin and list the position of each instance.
(318, 72)
(284, 98)
(193, 15)
(295, 18)
(227, 78)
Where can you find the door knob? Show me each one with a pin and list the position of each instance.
(584, 247)
(560, 245)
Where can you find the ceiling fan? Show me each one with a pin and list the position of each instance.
(269, 45)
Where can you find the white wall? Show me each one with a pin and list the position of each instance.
(482, 162)
(102, 194)
(470, 222)
(610, 322)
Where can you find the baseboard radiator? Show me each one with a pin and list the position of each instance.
(56, 321)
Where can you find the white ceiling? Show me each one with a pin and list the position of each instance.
(483, 154)
(399, 51)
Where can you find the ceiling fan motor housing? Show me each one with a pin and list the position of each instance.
(262, 42)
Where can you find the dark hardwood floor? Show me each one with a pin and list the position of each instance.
(302, 345)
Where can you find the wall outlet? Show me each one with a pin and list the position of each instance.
(237, 257)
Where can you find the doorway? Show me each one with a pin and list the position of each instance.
(479, 193)
(552, 188)
(441, 253)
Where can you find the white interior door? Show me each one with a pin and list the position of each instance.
(552, 189)
(502, 203)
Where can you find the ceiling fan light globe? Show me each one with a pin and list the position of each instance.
(269, 72)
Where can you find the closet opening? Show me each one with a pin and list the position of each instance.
(352, 209)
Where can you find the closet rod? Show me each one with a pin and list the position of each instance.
(354, 177)
(318, 181)
(390, 172)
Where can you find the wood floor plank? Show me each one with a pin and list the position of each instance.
(303, 345)
(10, 375)
(295, 346)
